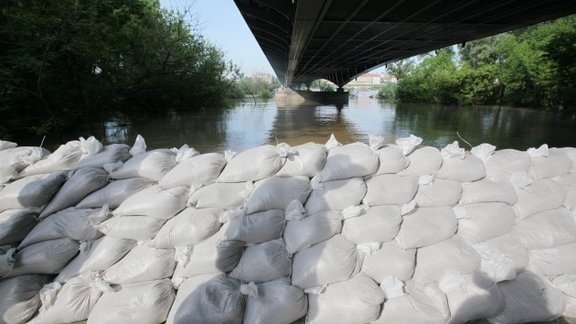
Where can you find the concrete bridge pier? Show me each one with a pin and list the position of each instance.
(287, 97)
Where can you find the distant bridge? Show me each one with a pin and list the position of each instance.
(337, 40)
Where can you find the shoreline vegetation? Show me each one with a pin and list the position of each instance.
(66, 62)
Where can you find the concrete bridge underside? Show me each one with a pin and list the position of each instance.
(337, 40)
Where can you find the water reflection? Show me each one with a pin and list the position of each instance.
(248, 125)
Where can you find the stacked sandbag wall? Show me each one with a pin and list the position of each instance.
(326, 233)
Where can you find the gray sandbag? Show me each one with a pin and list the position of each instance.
(219, 300)
(20, 299)
(263, 262)
(142, 263)
(97, 255)
(190, 226)
(114, 193)
(302, 233)
(139, 228)
(31, 191)
(221, 195)
(327, 262)
(439, 193)
(154, 202)
(502, 257)
(504, 163)
(15, 224)
(547, 229)
(187, 287)
(48, 257)
(276, 302)
(144, 302)
(7, 144)
(109, 154)
(486, 190)
(349, 161)
(356, 300)
(81, 183)
(392, 160)
(424, 160)
(479, 222)
(389, 260)
(77, 224)
(390, 189)
(255, 164)
(426, 226)
(277, 193)
(14, 160)
(542, 195)
(466, 169)
(308, 160)
(258, 227)
(197, 171)
(377, 224)
(555, 163)
(336, 195)
(71, 302)
(153, 165)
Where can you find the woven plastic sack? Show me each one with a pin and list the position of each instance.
(197, 171)
(502, 257)
(315, 228)
(139, 228)
(263, 262)
(336, 195)
(187, 287)
(190, 226)
(469, 168)
(254, 164)
(154, 202)
(277, 193)
(114, 193)
(554, 262)
(308, 160)
(142, 263)
(277, 302)
(546, 229)
(425, 160)
(48, 257)
(568, 182)
(110, 154)
(378, 224)
(153, 165)
(258, 227)
(15, 224)
(64, 158)
(31, 192)
(543, 194)
(504, 163)
(389, 260)
(356, 300)
(479, 222)
(14, 160)
(142, 302)
(349, 161)
(392, 160)
(80, 183)
(486, 190)
(390, 189)
(221, 195)
(556, 163)
(20, 299)
(426, 226)
(439, 193)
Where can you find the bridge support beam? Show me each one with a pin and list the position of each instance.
(291, 98)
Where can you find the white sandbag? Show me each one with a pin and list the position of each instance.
(72, 302)
(336, 195)
(502, 257)
(486, 190)
(426, 226)
(479, 222)
(31, 191)
(327, 262)
(349, 161)
(453, 255)
(154, 202)
(566, 283)
(356, 300)
(392, 160)
(390, 189)
(48, 257)
(14, 160)
(6, 145)
(110, 154)
(81, 183)
(76, 224)
(543, 194)
(263, 262)
(555, 261)
(258, 227)
(213, 255)
(197, 171)
(378, 224)
(218, 300)
(546, 229)
(425, 160)
(469, 168)
(139, 228)
(143, 302)
(153, 165)
(439, 193)
(114, 193)
(308, 161)
(503, 163)
(528, 298)
(570, 310)
(20, 299)
(315, 228)
(471, 297)
(254, 164)
(557, 163)
(389, 260)
(142, 263)
(96, 255)
(277, 193)
(15, 224)
(221, 195)
(568, 182)
(277, 302)
(190, 226)
(64, 158)
(421, 304)
(187, 287)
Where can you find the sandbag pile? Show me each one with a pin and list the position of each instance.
(355, 233)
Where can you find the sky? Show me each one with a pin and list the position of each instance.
(221, 23)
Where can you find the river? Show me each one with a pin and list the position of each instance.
(248, 124)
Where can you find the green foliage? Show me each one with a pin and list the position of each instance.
(387, 91)
(532, 67)
(64, 61)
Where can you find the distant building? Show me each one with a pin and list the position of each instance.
(369, 79)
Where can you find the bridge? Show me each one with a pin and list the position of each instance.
(338, 40)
